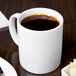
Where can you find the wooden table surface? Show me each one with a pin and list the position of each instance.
(8, 49)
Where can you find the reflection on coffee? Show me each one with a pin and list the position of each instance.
(40, 22)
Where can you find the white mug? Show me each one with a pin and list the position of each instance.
(39, 51)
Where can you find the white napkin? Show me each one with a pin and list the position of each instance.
(3, 20)
(7, 68)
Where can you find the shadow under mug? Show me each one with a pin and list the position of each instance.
(39, 51)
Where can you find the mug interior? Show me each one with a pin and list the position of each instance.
(39, 11)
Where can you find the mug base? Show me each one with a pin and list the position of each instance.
(36, 72)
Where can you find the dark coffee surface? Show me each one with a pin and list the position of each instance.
(40, 22)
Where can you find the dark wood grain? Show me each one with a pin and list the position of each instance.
(8, 49)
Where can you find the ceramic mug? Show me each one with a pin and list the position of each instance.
(39, 51)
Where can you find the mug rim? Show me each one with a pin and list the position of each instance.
(53, 29)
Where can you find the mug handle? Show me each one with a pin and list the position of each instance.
(12, 28)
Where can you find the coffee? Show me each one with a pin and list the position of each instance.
(40, 22)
